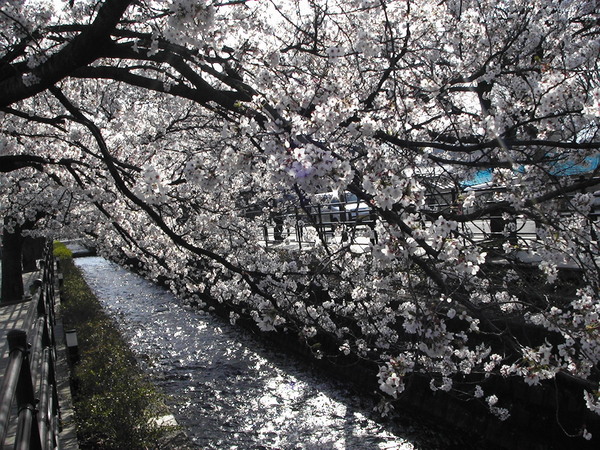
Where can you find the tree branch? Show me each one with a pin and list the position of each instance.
(81, 51)
(8, 163)
(227, 99)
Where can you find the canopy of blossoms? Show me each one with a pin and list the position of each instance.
(172, 133)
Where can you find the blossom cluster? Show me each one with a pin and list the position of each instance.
(199, 156)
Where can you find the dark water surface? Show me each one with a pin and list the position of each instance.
(227, 389)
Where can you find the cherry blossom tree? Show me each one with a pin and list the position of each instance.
(22, 211)
(173, 132)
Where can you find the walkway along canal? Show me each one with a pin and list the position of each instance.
(228, 390)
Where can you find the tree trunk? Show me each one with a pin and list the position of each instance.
(12, 268)
(31, 252)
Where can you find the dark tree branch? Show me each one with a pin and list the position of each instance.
(180, 58)
(8, 163)
(478, 163)
(227, 99)
(490, 144)
(54, 121)
(393, 61)
(81, 51)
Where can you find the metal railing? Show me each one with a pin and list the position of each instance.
(351, 217)
(28, 398)
(325, 219)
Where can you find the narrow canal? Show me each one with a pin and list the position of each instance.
(227, 389)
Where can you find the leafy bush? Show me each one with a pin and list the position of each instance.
(61, 251)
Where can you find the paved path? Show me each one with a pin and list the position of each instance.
(15, 316)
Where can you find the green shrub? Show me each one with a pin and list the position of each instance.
(61, 251)
(114, 404)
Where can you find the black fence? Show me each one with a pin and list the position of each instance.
(29, 399)
(349, 217)
(330, 212)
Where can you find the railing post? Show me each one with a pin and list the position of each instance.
(41, 304)
(266, 234)
(319, 226)
(9, 387)
(47, 406)
(28, 437)
(17, 341)
(28, 434)
(298, 229)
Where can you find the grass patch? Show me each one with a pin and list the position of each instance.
(114, 404)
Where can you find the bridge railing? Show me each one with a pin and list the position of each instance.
(359, 220)
(325, 219)
(28, 398)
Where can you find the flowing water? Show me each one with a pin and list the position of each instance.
(227, 389)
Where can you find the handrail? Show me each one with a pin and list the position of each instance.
(30, 376)
(324, 218)
(9, 388)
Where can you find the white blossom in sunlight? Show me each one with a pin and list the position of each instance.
(592, 402)
(586, 435)
(30, 79)
(478, 392)
(592, 107)
(396, 181)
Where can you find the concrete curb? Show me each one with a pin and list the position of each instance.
(68, 435)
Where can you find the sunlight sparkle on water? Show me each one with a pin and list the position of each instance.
(228, 390)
